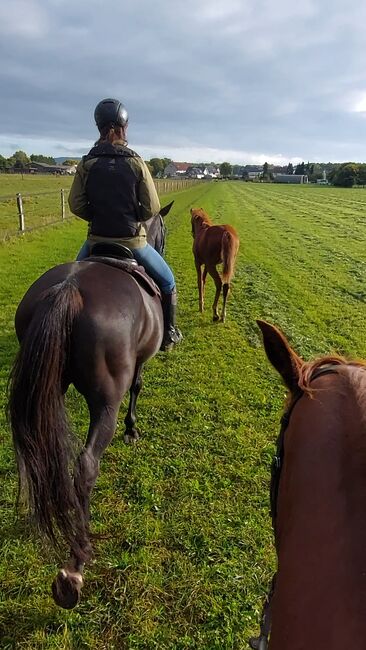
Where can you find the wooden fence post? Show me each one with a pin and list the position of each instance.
(20, 212)
(62, 204)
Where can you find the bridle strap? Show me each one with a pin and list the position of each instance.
(277, 461)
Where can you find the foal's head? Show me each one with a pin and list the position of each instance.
(199, 219)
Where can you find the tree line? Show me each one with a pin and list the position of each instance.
(345, 174)
(20, 160)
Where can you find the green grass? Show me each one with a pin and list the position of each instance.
(41, 200)
(184, 550)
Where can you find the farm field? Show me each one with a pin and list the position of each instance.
(183, 548)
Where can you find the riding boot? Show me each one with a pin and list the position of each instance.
(172, 335)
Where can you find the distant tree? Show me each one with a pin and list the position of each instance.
(225, 169)
(361, 174)
(300, 168)
(332, 171)
(290, 169)
(309, 168)
(3, 163)
(42, 159)
(346, 175)
(157, 166)
(70, 162)
(21, 158)
(314, 172)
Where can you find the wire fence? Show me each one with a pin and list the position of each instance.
(26, 211)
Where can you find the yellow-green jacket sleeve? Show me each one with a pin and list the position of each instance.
(78, 202)
(147, 194)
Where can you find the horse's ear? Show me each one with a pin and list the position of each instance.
(164, 211)
(281, 355)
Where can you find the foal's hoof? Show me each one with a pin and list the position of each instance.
(66, 589)
(131, 437)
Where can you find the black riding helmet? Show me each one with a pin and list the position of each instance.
(110, 112)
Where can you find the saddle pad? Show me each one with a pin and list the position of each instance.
(131, 267)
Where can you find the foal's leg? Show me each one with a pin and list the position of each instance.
(131, 433)
(200, 286)
(204, 275)
(67, 585)
(218, 283)
(225, 293)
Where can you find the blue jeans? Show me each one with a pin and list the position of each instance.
(153, 263)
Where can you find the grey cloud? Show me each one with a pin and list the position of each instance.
(260, 77)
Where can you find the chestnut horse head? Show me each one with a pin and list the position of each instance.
(318, 496)
(213, 245)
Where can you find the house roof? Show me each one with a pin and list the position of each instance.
(181, 167)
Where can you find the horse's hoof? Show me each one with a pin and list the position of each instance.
(216, 318)
(131, 437)
(258, 642)
(66, 589)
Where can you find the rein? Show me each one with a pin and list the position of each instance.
(261, 642)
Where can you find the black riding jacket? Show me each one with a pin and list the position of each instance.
(114, 191)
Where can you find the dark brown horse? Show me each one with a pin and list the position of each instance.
(318, 496)
(213, 245)
(93, 325)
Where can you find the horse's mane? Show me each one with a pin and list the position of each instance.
(308, 369)
(199, 213)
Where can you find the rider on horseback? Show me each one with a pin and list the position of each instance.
(113, 191)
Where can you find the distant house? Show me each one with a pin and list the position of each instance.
(211, 171)
(194, 172)
(203, 171)
(293, 179)
(176, 169)
(251, 176)
(45, 168)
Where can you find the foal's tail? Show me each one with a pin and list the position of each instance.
(229, 249)
(41, 434)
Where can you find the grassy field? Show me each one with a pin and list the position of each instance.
(183, 554)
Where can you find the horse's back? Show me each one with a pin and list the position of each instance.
(114, 306)
(209, 243)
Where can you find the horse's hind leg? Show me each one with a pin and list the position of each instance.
(218, 283)
(200, 285)
(204, 276)
(67, 585)
(131, 433)
(225, 293)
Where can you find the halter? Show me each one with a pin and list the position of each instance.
(261, 642)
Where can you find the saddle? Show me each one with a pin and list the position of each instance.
(120, 257)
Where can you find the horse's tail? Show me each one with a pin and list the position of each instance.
(41, 434)
(229, 249)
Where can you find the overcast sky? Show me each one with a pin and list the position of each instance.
(246, 81)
